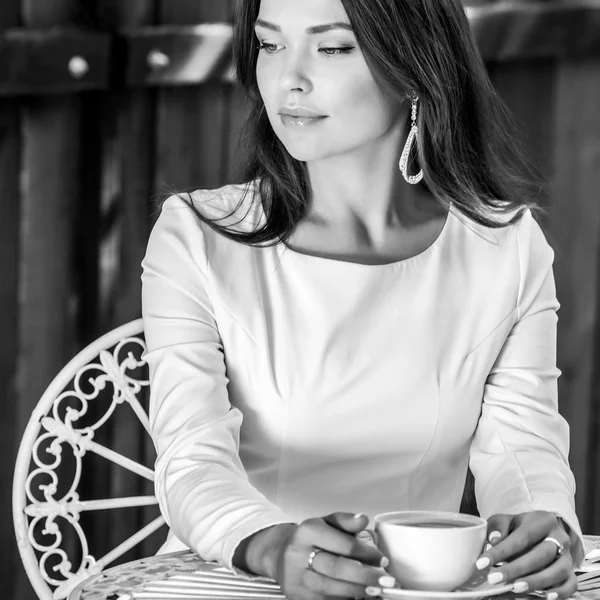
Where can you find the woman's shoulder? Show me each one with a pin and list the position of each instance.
(506, 231)
(236, 206)
(523, 245)
(180, 234)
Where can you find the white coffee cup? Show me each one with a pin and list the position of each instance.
(430, 550)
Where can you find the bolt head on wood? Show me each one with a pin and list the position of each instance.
(78, 67)
(158, 59)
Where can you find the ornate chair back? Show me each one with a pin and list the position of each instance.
(65, 431)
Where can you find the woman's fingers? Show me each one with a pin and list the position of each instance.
(321, 585)
(352, 523)
(341, 566)
(350, 570)
(320, 534)
(534, 561)
(355, 524)
(561, 590)
(498, 528)
(524, 536)
(555, 575)
(566, 590)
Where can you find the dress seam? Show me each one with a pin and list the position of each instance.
(520, 262)
(279, 456)
(433, 436)
(217, 302)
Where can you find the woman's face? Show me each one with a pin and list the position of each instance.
(320, 96)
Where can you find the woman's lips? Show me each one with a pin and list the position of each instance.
(299, 116)
(297, 121)
(299, 111)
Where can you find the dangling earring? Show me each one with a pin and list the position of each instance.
(412, 137)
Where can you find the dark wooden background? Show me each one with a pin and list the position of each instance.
(83, 160)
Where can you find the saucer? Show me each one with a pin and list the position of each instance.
(483, 592)
(475, 587)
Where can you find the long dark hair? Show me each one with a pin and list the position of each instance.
(465, 145)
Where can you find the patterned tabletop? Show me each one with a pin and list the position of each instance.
(127, 579)
(131, 578)
(142, 579)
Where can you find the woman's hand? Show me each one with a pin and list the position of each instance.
(531, 562)
(343, 566)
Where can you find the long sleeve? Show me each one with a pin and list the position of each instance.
(202, 488)
(519, 454)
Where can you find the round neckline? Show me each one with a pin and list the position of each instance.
(437, 243)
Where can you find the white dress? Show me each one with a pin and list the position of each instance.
(286, 386)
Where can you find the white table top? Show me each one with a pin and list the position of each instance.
(185, 576)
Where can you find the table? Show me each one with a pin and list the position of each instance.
(147, 579)
(151, 579)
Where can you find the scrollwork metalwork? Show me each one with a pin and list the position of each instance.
(62, 428)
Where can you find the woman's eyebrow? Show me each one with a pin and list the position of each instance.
(310, 30)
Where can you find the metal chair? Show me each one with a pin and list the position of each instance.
(47, 509)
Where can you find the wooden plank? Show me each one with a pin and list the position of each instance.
(192, 122)
(59, 60)
(178, 55)
(87, 230)
(236, 111)
(114, 15)
(190, 138)
(49, 188)
(10, 15)
(136, 161)
(11, 568)
(528, 91)
(576, 223)
(9, 261)
(41, 15)
(35, 62)
(519, 29)
(186, 12)
(126, 131)
(137, 165)
(46, 323)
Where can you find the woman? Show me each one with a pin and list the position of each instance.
(373, 312)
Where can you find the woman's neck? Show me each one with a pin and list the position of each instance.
(366, 192)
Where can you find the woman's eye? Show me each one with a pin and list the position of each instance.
(268, 48)
(336, 51)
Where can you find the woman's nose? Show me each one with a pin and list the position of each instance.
(294, 76)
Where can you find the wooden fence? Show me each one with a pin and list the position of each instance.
(104, 103)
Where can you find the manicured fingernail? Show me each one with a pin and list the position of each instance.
(497, 577)
(387, 581)
(520, 586)
(385, 562)
(494, 536)
(552, 596)
(359, 515)
(483, 562)
(373, 591)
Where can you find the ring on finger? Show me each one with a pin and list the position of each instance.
(560, 549)
(311, 558)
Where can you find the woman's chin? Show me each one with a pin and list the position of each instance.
(305, 154)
